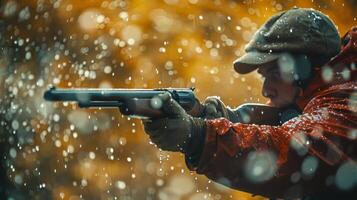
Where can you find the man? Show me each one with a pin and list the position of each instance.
(311, 149)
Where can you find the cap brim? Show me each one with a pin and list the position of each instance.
(252, 60)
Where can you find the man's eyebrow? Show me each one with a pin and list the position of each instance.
(273, 68)
(268, 69)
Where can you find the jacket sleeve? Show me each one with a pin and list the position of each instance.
(275, 161)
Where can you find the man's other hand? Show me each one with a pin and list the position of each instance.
(177, 131)
(214, 108)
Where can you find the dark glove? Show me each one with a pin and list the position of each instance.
(214, 108)
(177, 131)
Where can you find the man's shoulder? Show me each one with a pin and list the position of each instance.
(344, 89)
(351, 85)
(343, 93)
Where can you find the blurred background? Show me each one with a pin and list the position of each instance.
(58, 151)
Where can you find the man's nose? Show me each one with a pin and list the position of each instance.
(267, 90)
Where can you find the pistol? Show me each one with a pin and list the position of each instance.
(137, 103)
(144, 103)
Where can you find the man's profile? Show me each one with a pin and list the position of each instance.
(312, 147)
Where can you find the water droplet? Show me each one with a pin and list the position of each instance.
(120, 185)
(352, 134)
(56, 117)
(28, 55)
(346, 176)
(260, 166)
(128, 159)
(13, 153)
(309, 166)
(295, 177)
(156, 102)
(352, 104)
(327, 74)
(159, 182)
(298, 143)
(346, 74)
(15, 124)
(286, 65)
(18, 179)
(58, 143)
(84, 182)
(107, 69)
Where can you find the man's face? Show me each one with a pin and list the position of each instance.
(280, 92)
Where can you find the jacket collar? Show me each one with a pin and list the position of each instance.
(343, 67)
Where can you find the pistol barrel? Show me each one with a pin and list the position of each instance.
(136, 102)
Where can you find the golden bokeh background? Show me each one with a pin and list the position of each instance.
(58, 151)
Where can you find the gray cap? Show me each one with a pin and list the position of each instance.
(295, 31)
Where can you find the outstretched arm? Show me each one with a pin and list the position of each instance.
(282, 161)
(300, 157)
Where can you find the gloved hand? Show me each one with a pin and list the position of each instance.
(214, 108)
(177, 131)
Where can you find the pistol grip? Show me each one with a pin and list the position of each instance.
(140, 108)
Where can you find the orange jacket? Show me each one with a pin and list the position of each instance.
(314, 152)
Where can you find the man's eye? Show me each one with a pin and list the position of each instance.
(275, 75)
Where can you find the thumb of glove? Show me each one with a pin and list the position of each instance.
(169, 106)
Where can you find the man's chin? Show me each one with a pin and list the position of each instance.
(283, 106)
(278, 104)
